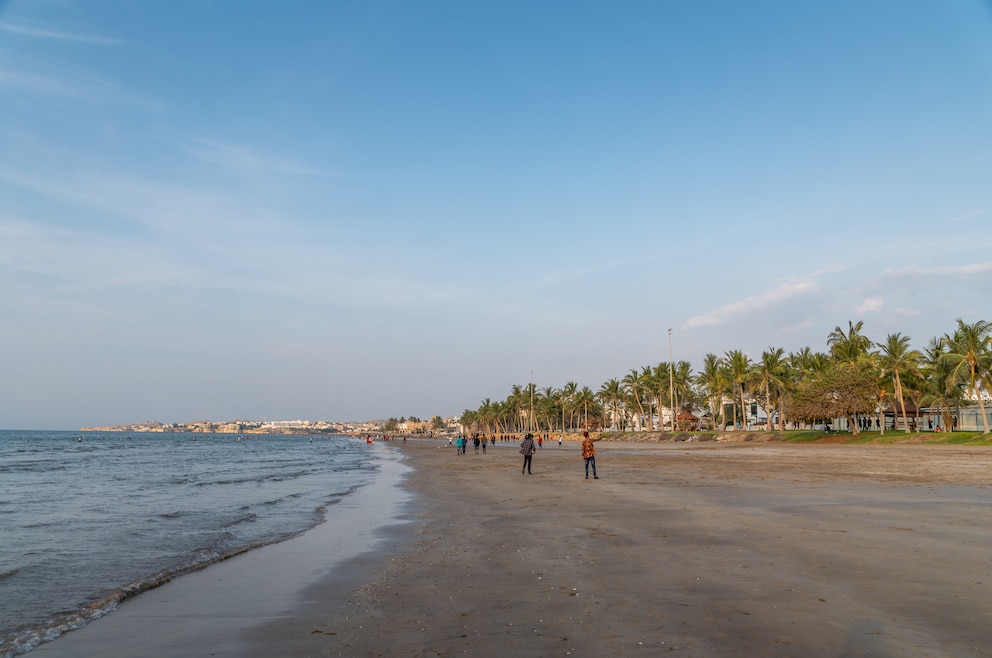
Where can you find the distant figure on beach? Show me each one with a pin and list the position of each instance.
(476, 441)
(559, 440)
(589, 453)
(462, 442)
(540, 441)
(527, 450)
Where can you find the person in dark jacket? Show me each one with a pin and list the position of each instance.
(527, 450)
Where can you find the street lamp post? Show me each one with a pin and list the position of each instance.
(530, 424)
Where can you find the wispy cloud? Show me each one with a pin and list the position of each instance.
(773, 297)
(33, 83)
(870, 305)
(968, 216)
(39, 32)
(239, 157)
(969, 271)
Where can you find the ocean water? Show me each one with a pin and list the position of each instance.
(86, 524)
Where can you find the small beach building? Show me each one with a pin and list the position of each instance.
(688, 421)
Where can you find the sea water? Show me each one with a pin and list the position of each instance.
(89, 519)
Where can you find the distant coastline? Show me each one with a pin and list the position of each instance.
(244, 427)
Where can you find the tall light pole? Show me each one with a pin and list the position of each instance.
(671, 378)
(530, 425)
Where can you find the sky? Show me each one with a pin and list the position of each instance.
(354, 210)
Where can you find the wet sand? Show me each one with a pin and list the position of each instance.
(214, 612)
(690, 549)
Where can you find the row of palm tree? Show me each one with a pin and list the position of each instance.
(953, 370)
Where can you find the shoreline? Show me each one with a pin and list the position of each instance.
(214, 611)
(700, 549)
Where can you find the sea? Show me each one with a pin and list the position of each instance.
(89, 519)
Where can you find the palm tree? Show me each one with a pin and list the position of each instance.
(660, 382)
(611, 395)
(770, 375)
(518, 401)
(568, 392)
(739, 366)
(486, 414)
(586, 400)
(530, 404)
(897, 359)
(647, 392)
(468, 418)
(633, 384)
(851, 346)
(806, 362)
(715, 381)
(969, 356)
(547, 406)
(684, 394)
(936, 372)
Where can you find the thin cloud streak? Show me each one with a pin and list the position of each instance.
(769, 298)
(969, 271)
(57, 35)
(968, 216)
(242, 158)
(34, 83)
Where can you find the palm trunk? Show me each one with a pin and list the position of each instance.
(902, 402)
(981, 408)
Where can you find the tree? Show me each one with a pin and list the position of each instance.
(633, 384)
(715, 381)
(770, 375)
(845, 390)
(611, 394)
(587, 401)
(851, 346)
(969, 358)
(935, 372)
(895, 360)
(660, 382)
(547, 406)
(568, 405)
(685, 397)
(518, 401)
(739, 367)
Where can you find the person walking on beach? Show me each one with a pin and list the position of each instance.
(589, 453)
(527, 450)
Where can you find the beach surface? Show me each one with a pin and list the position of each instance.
(692, 549)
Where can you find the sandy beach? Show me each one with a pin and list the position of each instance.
(692, 549)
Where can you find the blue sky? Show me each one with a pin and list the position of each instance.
(343, 211)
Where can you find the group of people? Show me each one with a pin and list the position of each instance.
(528, 447)
(461, 443)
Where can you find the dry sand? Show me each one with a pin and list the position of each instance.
(689, 549)
(695, 550)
